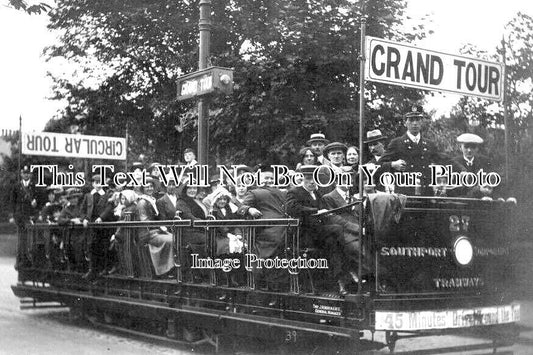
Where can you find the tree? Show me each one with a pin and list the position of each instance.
(487, 116)
(296, 71)
(36, 8)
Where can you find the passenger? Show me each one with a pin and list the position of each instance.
(159, 241)
(318, 142)
(24, 206)
(303, 202)
(376, 145)
(229, 241)
(472, 161)
(306, 157)
(214, 191)
(349, 221)
(352, 157)
(190, 157)
(128, 212)
(267, 202)
(193, 241)
(96, 208)
(153, 172)
(52, 207)
(71, 215)
(50, 214)
(166, 205)
(240, 193)
(335, 153)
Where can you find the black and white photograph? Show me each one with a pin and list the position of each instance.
(266, 177)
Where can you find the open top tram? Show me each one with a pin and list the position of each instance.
(437, 265)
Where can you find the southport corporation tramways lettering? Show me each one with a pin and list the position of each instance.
(420, 252)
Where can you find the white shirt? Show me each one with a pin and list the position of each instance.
(172, 199)
(99, 192)
(312, 193)
(344, 194)
(469, 162)
(415, 139)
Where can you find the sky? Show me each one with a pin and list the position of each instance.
(25, 87)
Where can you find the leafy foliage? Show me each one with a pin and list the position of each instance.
(37, 8)
(516, 48)
(295, 62)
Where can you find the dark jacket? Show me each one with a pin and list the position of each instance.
(21, 198)
(271, 203)
(301, 205)
(102, 209)
(167, 210)
(418, 158)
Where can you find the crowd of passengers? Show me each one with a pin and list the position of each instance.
(334, 236)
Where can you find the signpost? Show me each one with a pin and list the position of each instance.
(73, 145)
(406, 65)
(205, 82)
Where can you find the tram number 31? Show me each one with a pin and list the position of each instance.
(291, 336)
(459, 224)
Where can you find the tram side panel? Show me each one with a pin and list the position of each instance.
(444, 247)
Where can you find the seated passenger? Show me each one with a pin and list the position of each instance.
(191, 207)
(158, 240)
(349, 222)
(229, 241)
(167, 204)
(303, 202)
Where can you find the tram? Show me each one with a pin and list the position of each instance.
(434, 265)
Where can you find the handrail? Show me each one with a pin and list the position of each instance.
(134, 224)
(281, 222)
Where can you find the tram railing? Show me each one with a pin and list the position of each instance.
(40, 244)
(249, 228)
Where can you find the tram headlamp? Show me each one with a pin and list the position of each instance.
(463, 251)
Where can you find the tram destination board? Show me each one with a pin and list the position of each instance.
(407, 65)
(446, 319)
(205, 82)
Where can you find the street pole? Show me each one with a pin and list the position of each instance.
(362, 60)
(20, 149)
(505, 116)
(203, 104)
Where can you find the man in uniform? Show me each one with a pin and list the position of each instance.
(24, 206)
(412, 153)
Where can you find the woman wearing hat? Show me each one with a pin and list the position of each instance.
(159, 241)
(128, 212)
